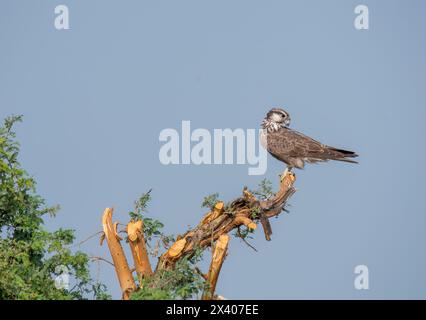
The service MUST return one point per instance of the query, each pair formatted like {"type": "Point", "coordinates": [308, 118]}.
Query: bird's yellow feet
{"type": "Point", "coordinates": [286, 171]}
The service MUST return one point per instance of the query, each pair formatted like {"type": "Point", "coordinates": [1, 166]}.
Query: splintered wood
{"type": "Point", "coordinates": [212, 231]}
{"type": "Point", "coordinates": [218, 222]}
{"type": "Point", "coordinates": [138, 248]}
{"type": "Point", "coordinates": [239, 220]}
{"type": "Point", "coordinates": [219, 254]}
{"type": "Point", "coordinates": [216, 212]}
{"type": "Point", "coordinates": [176, 249]}
{"type": "Point", "coordinates": [124, 275]}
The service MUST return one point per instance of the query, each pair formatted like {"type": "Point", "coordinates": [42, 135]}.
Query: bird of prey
{"type": "Point", "coordinates": [294, 148]}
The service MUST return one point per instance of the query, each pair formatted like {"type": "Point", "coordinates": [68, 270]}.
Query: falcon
{"type": "Point", "coordinates": [294, 148]}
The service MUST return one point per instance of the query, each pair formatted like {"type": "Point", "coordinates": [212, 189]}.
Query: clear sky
{"type": "Point", "coordinates": [96, 97]}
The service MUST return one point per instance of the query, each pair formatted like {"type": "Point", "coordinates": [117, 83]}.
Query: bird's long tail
{"type": "Point", "coordinates": [343, 155]}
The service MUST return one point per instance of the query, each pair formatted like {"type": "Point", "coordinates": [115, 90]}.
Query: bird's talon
{"type": "Point", "coordinates": [285, 173]}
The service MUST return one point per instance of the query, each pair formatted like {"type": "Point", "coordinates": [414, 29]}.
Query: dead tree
{"type": "Point", "coordinates": [212, 231]}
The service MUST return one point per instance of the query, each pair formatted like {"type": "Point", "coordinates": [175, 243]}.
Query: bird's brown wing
{"type": "Point", "coordinates": [286, 144]}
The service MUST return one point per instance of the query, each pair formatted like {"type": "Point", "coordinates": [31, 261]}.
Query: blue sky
{"type": "Point", "coordinates": [96, 97]}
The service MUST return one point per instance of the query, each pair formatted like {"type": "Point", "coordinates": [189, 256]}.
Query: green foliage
{"type": "Point", "coordinates": [254, 213]}
{"type": "Point", "coordinates": [210, 201]}
{"type": "Point", "coordinates": [30, 256]}
{"type": "Point", "coordinates": [264, 190]}
{"type": "Point", "coordinates": [182, 282]}
{"type": "Point", "coordinates": [151, 227]}
{"type": "Point", "coordinates": [244, 233]}
{"type": "Point", "coordinates": [141, 206]}
{"type": "Point", "coordinates": [100, 291]}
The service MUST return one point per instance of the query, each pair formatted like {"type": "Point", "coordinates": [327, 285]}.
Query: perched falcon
{"type": "Point", "coordinates": [294, 148]}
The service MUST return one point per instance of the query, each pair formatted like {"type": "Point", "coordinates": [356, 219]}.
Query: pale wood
{"type": "Point", "coordinates": [219, 254]}
{"type": "Point", "coordinates": [209, 230]}
{"type": "Point", "coordinates": [138, 248]}
{"type": "Point", "coordinates": [239, 220]}
{"type": "Point", "coordinates": [121, 266]}
{"type": "Point", "coordinates": [213, 228]}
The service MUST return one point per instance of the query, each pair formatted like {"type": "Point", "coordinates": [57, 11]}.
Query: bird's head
{"type": "Point", "coordinates": [278, 116]}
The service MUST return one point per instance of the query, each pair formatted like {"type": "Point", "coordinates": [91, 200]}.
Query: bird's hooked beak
{"type": "Point", "coordinates": [286, 122]}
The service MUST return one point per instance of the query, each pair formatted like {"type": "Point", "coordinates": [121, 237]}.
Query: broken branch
{"type": "Point", "coordinates": [124, 275]}
{"type": "Point", "coordinates": [219, 254]}
{"type": "Point", "coordinates": [245, 210]}
{"type": "Point", "coordinates": [138, 248]}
